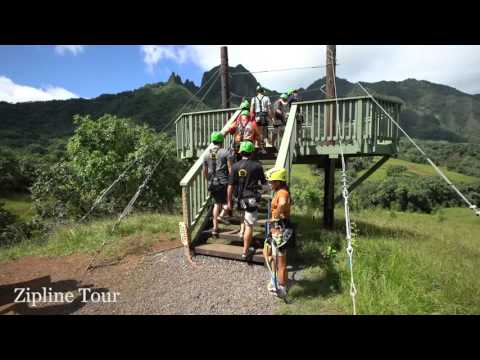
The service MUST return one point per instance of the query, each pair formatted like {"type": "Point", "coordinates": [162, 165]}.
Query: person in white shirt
{"type": "Point", "coordinates": [262, 107]}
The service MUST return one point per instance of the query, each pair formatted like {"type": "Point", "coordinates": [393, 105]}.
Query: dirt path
{"type": "Point", "coordinates": [157, 283]}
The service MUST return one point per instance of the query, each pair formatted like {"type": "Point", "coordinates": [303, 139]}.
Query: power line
{"type": "Point", "coordinates": [275, 70]}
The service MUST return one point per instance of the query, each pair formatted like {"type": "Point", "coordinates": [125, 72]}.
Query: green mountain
{"type": "Point", "coordinates": [242, 84]}
{"type": "Point", "coordinates": [26, 124]}
{"type": "Point", "coordinates": [432, 111]}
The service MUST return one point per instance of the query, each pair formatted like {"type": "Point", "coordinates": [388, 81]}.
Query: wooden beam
{"type": "Point", "coordinates": [364, 177]}
{"type": "Point", "coordinates": [329, 186]}
{"type": "Point", "coordinates": [328, 194]}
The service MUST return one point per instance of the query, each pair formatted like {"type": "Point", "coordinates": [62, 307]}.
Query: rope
{"type": "Point", "coordinates": [107, 190]}
{"type": "Point", "coordinates": [439, 172]}
{"type": "Point", "coordinates": [122, 175]}
{"type": "Point", "coordinates": [128, 208]}
{"type": "Point", "coordinates": [134, 198]}
{"type": "Point", "coordinates": [348, 228]}
{"type": "Point", "coordinates": [132, 201]}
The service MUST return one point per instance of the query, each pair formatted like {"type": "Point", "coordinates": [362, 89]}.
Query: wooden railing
{"type": "Point", "coordinates": [193, 130]}
{"type": "Point", "coordinates": [195, 195]}
{"type": "Point", "coordinates": [362, 124]}
{"type": "Point", "coordinates": [363, 128]}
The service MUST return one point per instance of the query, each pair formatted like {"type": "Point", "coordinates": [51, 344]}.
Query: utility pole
{"type": "Point", "coordinates": [329, 188]}
{"type": "Point", "coordinates": [224, 77]}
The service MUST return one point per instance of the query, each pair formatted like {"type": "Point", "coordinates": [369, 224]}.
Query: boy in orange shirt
{"type": "Point", "coordinates": [281, 230]}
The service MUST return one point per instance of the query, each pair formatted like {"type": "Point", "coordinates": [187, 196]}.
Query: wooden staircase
{"type": "Point", "coordinates": [228, 244]}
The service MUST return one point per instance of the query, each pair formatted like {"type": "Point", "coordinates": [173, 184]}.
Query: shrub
{"type": "Point", "coordinates": [7, 230]}
{"type": "Point", "coordinates": [98, 152]}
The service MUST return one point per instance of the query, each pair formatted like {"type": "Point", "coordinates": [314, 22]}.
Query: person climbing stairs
{"type": "Point", "coordinates": [228, 243]}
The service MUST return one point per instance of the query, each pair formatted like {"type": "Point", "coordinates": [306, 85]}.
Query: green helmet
{"type": "Point", "coordinates": [284, 96]}
{"type": "Point", "coordinates": [216, 137]}
{"type": "Point", "coordinates": [245, 112]}
{"type": "Point", "coordinates": [245, 105]}
{"type": "Point", "coordinates": [290, 91]}
{"type": "Point", "coordinates": [246, 147]}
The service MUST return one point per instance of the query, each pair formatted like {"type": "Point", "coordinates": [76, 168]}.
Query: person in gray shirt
{"type": "Point", "coordinates": [217, 164]}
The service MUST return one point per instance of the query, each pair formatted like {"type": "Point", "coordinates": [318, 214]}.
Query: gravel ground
{"type": "Point", "coordinates": [166, 284]}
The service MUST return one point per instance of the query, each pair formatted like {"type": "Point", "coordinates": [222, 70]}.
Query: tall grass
{"type": "Point", "coordinates": [404, 263]}
{"type": "Point", "coordinates": [135, 234]}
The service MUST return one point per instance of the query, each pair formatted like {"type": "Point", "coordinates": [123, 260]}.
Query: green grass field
{"type": "Point", "coordinates": [404, 263]}
{"type": "Point", "coordinates": [135, 234]}
{"type": "Point", "coordinates": [414, 169]}
{"type": "Point", "coordinates": [303, 172]}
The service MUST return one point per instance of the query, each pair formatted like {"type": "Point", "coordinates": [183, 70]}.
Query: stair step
{"type": "Point", "coordinates": [237, 220]}
{"type": "Point", "coordinates": [257, 241]}
{"type": "Point", "coordinates": [268, 161]}
{"type": "Point", "coordinates": [227, 251]}
{"type": "Point", "coordinates": [233, 237]}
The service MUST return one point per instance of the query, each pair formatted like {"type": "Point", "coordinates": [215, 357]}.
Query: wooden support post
{"type": "Point", "coordinates": [224, 77]}
{"type": "Point", "coordinates": [187, 219]}
{"type": "Point", "coordinates": [329, 189]}
{"type": "Point", "coordinates": [330, 94]}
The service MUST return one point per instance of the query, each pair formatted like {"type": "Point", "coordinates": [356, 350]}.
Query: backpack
{"type": "Point", "coordinates": [248, 199]}
{"type": "Point", "coordinates": [214, 182]}
{"type": "Point", "coordinates": [262, 115]}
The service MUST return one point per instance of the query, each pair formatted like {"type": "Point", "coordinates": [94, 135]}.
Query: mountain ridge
{"type": "Point", "coordinates": [432, 111]}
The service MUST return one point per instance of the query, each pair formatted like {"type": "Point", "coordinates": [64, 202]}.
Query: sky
{"type": "Point", "coordinates": [47, 72]}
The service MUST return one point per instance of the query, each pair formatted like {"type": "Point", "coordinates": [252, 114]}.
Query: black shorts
{"type": "Point", "coordinates": [261, 120]}
{"type": "Point", "coordinates": [220, 196]}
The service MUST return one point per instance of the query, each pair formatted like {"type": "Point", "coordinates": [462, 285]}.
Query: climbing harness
{"type": "Point", "coordinates": [439, 172]}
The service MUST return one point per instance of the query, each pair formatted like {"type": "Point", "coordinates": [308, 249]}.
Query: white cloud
{"type": "Point", "coordinates": [13, 93]}
{"type": "Point", "coordinates": [74, 49]}
{"type": "Point", "coordinates": [153, 54]}
{"type": "Point", "coordinates": [452, 65]}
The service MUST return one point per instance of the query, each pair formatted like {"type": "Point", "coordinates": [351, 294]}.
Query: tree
{"type": "Point", "coordinates": [98, 152]}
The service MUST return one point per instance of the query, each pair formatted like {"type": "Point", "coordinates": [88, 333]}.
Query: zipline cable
{"type": "Point", "coordinates": [348, 228]}
{"type": "Point", "coordinates": [275, 70]}
{"type": "Point", "coordinates": [134, 198]}
{"type": "Point", "coordinates": [122, 175]}
{"type": "Point", "coordinates": [439, 172]}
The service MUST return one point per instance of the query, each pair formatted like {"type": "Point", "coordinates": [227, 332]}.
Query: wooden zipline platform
{"type": "Point", "coordinates": [310, 137]}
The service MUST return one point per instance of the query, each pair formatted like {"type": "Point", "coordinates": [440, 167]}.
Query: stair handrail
{"type": "Point", "coordinates": [287, 151]}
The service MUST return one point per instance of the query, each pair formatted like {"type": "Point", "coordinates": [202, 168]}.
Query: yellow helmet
{"type": "Point", "coordinates": [279, 174]}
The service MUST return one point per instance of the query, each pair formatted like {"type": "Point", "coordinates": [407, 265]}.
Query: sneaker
{"type": "Point", "coordinates": [271, 286]}
{"type": "Point", "coordinates": [282, 291]}
{"type": "Point", "coordinates": [244, 257]}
